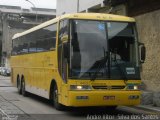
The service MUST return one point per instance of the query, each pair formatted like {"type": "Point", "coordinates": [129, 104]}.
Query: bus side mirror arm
{"type": "Point", "coordinates": [142, 52]}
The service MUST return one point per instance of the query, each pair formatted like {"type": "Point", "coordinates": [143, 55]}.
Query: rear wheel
{"type": "Point", "coordinates": [57, 105]}
{"type": "Point", "coordinates": [19, 86]}
{"type": "Point", "coordinates": [24, 92]}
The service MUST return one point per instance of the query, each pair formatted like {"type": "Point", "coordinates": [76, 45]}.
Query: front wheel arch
{"type": "Point", "coordinates": [54, 100]}
{"type": "Point", "coordinates": [53, 83]}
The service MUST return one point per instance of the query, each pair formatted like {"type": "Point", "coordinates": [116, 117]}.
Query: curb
{"type": "Point", "coordinates": [157, 109]}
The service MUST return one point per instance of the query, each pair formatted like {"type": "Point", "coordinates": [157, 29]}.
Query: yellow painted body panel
{"type": "Point", "coordinates": [98, 16]}
{"type": "Point", "coordinates": [95, 98]}
{"type": "Point", "coordinates": [39, 72]}
{"type": "Point", "coordinates": [39, 69]}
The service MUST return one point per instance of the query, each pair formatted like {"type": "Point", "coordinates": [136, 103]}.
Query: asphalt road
{"type": "Point", "coordinates": [16, 107]}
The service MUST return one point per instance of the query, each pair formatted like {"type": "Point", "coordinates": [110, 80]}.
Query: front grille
{"type": "Point", "coordinates": [109, 87]}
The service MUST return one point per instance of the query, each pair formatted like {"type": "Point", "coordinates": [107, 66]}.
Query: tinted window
{"type": "Point", "coordinates": [25, 45]}
{"type": "Point", "coordinates": [20, 45]}
{"type": "Point", "coordinates": [47, 39]}
{"type": "Point", "coordinates": [63, 29]}
{"type": "Point", "coordinates": [38, 41]}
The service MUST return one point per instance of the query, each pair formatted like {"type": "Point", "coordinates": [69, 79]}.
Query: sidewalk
{"type": "Point", "coordinates": [150, 101]}
{"type": "Point", "coordinates": [149, 107]}
{"type": "Point", "coordinates": [9, 111]}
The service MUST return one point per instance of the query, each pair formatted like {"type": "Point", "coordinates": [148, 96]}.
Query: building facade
{"type": "Point", "coordinates": [73, 6]}
{"type": "Point", "coordinates": [14, 19]}
{"type": "Point", "coordinates": [147, 15]}
{"type": "Point", "coordinates": [99, 6]}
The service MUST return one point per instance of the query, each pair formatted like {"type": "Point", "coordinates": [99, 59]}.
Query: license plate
{"type": "Point", "coordinates": [109, 98]}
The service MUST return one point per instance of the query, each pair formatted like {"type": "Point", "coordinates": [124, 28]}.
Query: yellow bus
{"type": "Point", "coordinates": [81, 59]}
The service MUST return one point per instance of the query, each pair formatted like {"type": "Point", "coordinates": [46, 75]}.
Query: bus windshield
{"type": "Point", "coordinates": [104, 50]}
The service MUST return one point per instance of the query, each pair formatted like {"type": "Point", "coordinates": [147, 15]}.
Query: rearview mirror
{"type": "Point", "coordinates": [64, 38]}
{"type": "Point", "coordinates": [142, 52]}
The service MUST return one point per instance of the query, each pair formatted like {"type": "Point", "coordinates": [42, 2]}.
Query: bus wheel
{"type": "Point", "coordinates": [24, 92]}
{"type": "Point", "coordinates": [57, 105]}
{"type": "Point", "coordinates": [19, 87]}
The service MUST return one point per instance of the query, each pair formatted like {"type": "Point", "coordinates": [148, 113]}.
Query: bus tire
{"type": "Point", "coordinates": [19, 86]}
{"type": "Point", "coordinates": [56, 104]}
{"type": "Point", "coordinates": [24, 92]}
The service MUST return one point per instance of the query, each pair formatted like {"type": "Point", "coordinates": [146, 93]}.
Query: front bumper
{"type": "Point", "coordinates": [98, 98]}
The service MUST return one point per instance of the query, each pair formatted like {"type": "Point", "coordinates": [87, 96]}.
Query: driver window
{"type": "Point", "coordinates": [63, 29]}
{"type": "Point", "coordinates": [62, 64]}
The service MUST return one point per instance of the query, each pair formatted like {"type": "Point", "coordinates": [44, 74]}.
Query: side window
{"type": "Point", "coordinates": [24, 45]}
{"type": "Point", "coordinates": [47, 40]}
{"type": "Point", "coordinates": [50, 37]}
{"type": "Point", "coordinates": [32, 38]}
{"type": "Point", "coordinates": [19, 49]}
{"type": "Point", "coordinates": [20, 46]}
{"type": "Point", "coordinates": [37, 41]}
{"type": "Point", "coordinates": [40, 41]}
{"type": "Point", "coordinates": [63, 29]}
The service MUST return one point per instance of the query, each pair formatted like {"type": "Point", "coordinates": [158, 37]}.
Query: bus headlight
{"type": "Point", "coordinates": [133, 87]}
{"type": "Point", "coordinates": [80, 87]}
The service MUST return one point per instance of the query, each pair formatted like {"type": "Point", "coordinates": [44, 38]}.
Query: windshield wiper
{"type": "Point", "coordinates": [121, 71]}
{"type": "Point", "coordinates": [100, 64]}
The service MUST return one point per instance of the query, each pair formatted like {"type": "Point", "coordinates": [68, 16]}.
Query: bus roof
{"type": "Point", "coordinates": [98, 16]}
{"type": "Point", "coordinates": [89, 16]}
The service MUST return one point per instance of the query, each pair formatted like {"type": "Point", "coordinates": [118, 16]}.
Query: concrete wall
{"type": "Point", "coordinates": [148, 28]}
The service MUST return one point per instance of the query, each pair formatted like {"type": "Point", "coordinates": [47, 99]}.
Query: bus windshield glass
{"type": "Point", "coordinates": [103, 50]}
